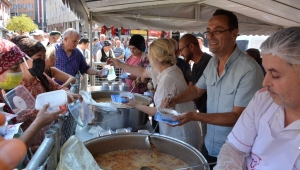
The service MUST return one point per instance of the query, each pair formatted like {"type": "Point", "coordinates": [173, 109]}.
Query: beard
{"type": "Point", "coordinates": [189, 57]}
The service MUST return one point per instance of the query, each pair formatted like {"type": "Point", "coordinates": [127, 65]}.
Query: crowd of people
{"type": "Point", "coordinates": [240, 110]}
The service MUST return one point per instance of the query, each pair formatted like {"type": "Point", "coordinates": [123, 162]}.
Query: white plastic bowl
{"type": "Point", "coordinates": [167, 114]}
{"type": "Point", "coordinates": [57, 100]}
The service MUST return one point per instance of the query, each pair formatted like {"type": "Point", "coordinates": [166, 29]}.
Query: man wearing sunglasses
{"type": "Point", "coordinates": [230, 80]}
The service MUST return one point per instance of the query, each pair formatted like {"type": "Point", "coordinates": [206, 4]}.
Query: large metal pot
{"type": "Point", "coordinates": [123, 118]}
{"type": "Point", "coordinates": [164, 144]}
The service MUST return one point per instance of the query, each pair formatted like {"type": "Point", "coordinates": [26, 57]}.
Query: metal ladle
{"type": "Point", "coordinates": [206, 164]}
{"type": "Point", "coordinates": [148, 140]}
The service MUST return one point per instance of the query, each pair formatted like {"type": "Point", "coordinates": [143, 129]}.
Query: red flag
{"type": "Point", "coordinates": [103, 29]}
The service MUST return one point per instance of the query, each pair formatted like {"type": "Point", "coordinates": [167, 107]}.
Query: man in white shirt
{"type": "Point", "coordinates": [267, 134]}
{"type": "Point", "coordinates": [83, 46]}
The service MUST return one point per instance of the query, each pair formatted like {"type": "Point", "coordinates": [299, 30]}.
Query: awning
{"type": "Point", "coordinates": [255, 17]}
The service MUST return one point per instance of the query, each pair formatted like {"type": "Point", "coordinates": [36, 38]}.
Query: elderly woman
{"type": "Point", "coordinates": [10, 77]}
{"type": "Point", "coordinates": [138, 58]}
{"type": "Point", "coordinates": [55, 73]}
{"type": "Point", "coordinates": [35, 80]}
{"type": "Point", "coordinates": [105, 53]}
{"type": "Point", "coordinates": [170, 83]}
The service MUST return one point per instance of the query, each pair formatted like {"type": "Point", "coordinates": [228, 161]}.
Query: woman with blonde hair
{"type": "Point", "coordinates": [55, 73]}
{"type": "Point", "coordinates": [170, 83]}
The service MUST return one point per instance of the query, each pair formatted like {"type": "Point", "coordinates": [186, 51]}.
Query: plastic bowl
{"type": "Point", "coordinates": [57, 100]}
{"type": "Point", "coordinates": [167, 114]}
{"type": "Point", "coordinates": [105, 85]}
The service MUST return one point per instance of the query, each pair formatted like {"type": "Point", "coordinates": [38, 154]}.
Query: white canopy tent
{"type": "Point", "coordinates": [256, 17]}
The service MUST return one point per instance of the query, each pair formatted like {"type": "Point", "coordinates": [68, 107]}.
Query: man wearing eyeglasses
{"type": "Point", "coordinates": [230, 80]}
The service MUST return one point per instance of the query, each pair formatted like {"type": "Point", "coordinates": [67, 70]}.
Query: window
{"type": "Point", "coordinates": [30, 13]}
{"type": "Point", "coordinates": [20, 6]}
{"type": "Point", "coordinates": [15, 6]}
{"type": "Point", "coordinates": [30, 6]}
{"type": "Point", "coordinates": [24, 5]}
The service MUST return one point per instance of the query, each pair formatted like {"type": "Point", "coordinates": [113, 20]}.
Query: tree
{"type": "Point", "coordinates": [21, 23]}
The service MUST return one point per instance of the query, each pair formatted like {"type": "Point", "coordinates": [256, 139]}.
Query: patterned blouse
{"type": "Point", "coordinates": [36, 88]}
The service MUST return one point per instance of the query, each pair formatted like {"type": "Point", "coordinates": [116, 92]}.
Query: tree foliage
{"type": "Point", "coordinates": [21, 23]}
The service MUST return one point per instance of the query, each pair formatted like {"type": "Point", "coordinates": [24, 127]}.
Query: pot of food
{"type": "Point", "coordinates": [124, 116]}
{"type": "Point", "coordinates": [170, 153]}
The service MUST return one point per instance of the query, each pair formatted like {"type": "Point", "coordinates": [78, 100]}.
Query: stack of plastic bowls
{"type": "Point", "coordinates": [114, 86]}
{"type": "Point", "coordinates": [104, 87]}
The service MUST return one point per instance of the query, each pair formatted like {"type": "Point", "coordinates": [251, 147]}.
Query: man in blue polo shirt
{"type": "Point", "coordinates": [230, 80]}
{"type": "Point", "coordinates": [69, 59]}
{"type": "Point", "coordinates": [119, 51]}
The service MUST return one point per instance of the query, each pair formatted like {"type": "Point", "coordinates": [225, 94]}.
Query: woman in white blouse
{"type": "Point", "coordinates": [170, 83]}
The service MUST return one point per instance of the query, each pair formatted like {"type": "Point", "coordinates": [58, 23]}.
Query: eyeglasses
{"type": "Point", "coordinates": [181, 49]}
{"type": "Point", "coordinates": [215, 33]}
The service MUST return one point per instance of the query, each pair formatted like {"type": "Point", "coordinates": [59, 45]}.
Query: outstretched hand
{"type": "Point", "coordinates": [184, 118]}
{"type": "Point", "coordinates": [114, 62]}
{"type": "Point", "coordinates": [131, 103]}
{"type": "Point", "coordinates": [45, 117]}
{"type": "Point", "coordinates": [11, 151]}
{"type": "Point", "coordinates": [72, 97]}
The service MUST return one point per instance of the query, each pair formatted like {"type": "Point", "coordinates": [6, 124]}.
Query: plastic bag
{"type": "Point", "coordinates": [125, 75]}
{"type": "Point", "coordinates": [81, 113]}
{"type": "Point", "coordinates": [118, 99]}
{"type": "Point", "coordinates": [111, 74]}
{"type": "Point", "coordinates": [105, 106]}
{"type": "Point", "coordinates": [74, 155]}
{"type": "Point", "coordinates": [104, 72]}
{"type": "Point", "coordinates": [95, 131]}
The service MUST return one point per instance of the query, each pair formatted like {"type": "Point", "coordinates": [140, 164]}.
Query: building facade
{"type": "Point", "coordinates": [60, 17]}
{"type": "Point", "coordinates": [4, 16]}
{"type": "Point", "coordinates": [35, 9]}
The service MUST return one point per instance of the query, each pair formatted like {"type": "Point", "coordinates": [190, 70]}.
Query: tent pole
{"type": "Point", "coordinates": [92, 78]}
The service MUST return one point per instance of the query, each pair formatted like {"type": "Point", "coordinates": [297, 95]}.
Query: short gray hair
{"type": "Point", "coordinates": [70, 31]}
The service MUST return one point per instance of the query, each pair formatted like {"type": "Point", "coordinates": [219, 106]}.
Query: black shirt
{"type": "Point", "coordinates": [185, 68]}
{"type": "Point", "coordinates": [104, 56]}
{"type": "Point", "coordinates": [197, 72]}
